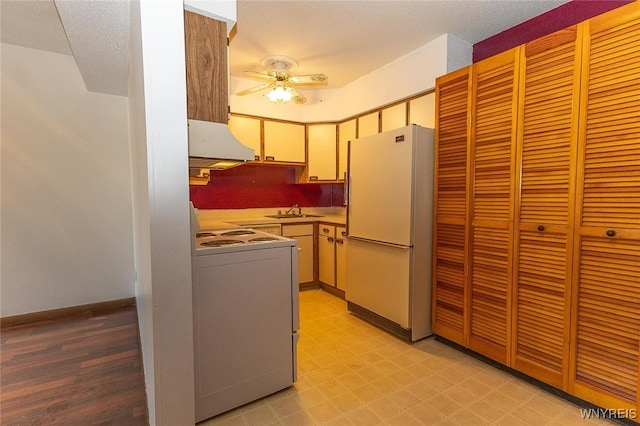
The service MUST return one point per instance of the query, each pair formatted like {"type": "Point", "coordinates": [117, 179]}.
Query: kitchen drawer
{"type": "Point", "coordinates": [295, 230]}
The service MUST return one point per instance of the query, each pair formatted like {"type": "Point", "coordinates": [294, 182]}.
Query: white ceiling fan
{"type": "Point", "coordinates": [280, 81]}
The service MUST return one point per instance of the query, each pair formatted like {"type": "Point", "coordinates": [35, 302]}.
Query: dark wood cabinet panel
{"type": "Point", "coordinates": [206, 64]}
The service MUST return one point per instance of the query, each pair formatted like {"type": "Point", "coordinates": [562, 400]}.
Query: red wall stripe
{"type": "Point", "coordinates": [556, 19]}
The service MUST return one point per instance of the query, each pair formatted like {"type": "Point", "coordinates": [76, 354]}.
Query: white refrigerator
{"type": "Point", "coordinates": [389, 193]}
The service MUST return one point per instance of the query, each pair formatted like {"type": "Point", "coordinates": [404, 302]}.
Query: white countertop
{"type": "Point", "coordinates": [232, 218]}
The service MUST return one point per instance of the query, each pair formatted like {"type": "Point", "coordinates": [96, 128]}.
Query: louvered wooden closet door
{"type": "Point", "coordinates": [547, 143]}
{"type": "Point", "coordinates": [606, 299]}
{"type": "Point", "coordinates": [493, 138]}
{"type": "Point", "coordinates": [450, 224]}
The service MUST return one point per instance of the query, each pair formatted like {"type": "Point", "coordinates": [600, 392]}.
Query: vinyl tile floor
{"type": "Point", "coordinates": [353, 373]}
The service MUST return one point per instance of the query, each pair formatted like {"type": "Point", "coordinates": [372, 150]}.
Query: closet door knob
{"type": "Point", "coordinates": [611, 233]}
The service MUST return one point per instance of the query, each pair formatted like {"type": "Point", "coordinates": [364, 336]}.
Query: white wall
{"type": "Point", "coordinates": [157, 100]}
{"type": "Point", "coordinates": [408, 75]}
{"type": "Point", "coordinates": [459, 53]}
{"type": "Point", "coordinates": [66, 187]}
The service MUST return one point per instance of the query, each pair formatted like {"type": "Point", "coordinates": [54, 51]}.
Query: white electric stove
{"type": "Point", "coordinates": [235, 240]}
{"type": "Point", "coordinates": [245, 308]}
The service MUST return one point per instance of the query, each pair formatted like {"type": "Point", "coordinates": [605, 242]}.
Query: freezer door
{"type": "Point", "coordinates": [379, 278]}
{"type": "Point", "coordinates": [381, 186]}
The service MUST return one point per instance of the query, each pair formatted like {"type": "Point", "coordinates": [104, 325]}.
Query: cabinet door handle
{"type": "Point", "coordinates": [269, 158]}
{"type": "Point", "coordinates": [325, 230]}
{"type": "Point", "coordinates": [340, 241]}
{"type": "Point", "coordinates": [540, 228]}
{"type": "Point", "coordinates": [611, 233]}
{"type": "Point", "coordinates": [330, 239]}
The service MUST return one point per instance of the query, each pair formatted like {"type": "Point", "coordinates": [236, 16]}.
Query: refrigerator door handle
{"type": "Point", "coordinates": [346, 189]}
{"type": "Point", "coordinates": [381, 243]}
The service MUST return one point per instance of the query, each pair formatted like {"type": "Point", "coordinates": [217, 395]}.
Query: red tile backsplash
{"type": "Point", "coordinates": [256, 186]}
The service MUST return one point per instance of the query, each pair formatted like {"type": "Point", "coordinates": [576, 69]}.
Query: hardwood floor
{"type": "Point", "coordinates": [85, 369]}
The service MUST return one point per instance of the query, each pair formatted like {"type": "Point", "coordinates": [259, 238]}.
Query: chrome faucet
{"type": "Point", "coordinates": [295, 206]}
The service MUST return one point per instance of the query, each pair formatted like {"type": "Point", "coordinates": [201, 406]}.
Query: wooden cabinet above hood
{"type": "Point", "coordinates": [206, 64]}
{"type": "Point", "coordinates": [211, 144]}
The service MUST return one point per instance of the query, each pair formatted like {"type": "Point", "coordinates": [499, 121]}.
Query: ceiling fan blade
{"type": "Point", "coordinates": [296, 96]}
{"type": "Point", "coordinates": [256, 89]}
{"type": "Point", "coordinates": [315, 79]}
{"type": "Point", "coordinates": [259, 76]}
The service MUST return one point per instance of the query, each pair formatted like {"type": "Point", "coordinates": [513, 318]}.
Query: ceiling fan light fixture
{"type": "Point", "coordinates": [279, 95]}
{"type": "Point", "coordinates": [280, 83]}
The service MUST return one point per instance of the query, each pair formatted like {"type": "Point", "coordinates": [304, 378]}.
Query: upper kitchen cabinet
{"type": "Point", "coordinates": [206, 67]}
{"type": "Point", "coordinates": [284, 142]}
{"type": "Point", "coordinates": [422, 110]}
{"type": "Point", "coordinates": [394, 117]}
{"type": "Point", "coordinates": [322, 161]}
{"type": "Point", "coordinates": [346, 133]}
{"type": "Point", "coordinates": [369, 124]}
{"type": "Point", "coordinates": [247, 131]}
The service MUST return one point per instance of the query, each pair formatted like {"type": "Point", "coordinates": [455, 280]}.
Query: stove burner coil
{"type": "Point", "coordinates": [220, 243]}
{"type": "Point", "coordinates": [261, 239]}
{"type": "Point", "coordinates": [205, 234]}
{"type": "Point", "coordinates": [238, 232]}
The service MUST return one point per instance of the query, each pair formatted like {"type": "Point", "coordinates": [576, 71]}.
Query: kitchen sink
{"type": "Point", "coordinates": [291, 216]}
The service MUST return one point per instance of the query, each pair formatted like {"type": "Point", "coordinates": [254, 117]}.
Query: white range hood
{"type": "Point", "coordinates": [213, 146]}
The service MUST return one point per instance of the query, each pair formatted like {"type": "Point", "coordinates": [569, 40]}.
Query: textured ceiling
{"type": "Point", "coordinates": [348, 39]}
{"type": "Point", "coordinates": [96, 33]}
{"type": "Point", "coordinates": [342, 39]}
{"type": "Point", "coordinates": [33, 24]}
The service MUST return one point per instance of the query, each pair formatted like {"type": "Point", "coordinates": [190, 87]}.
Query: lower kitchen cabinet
{"type": "Point", "coordinates": [303, 234]}
{"type": "Point", "coordinates": [327, 254]}
{"type": "Point", "coordinates": [341, 258]}
{"type": "Point", "coordinates": [332, 256]}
